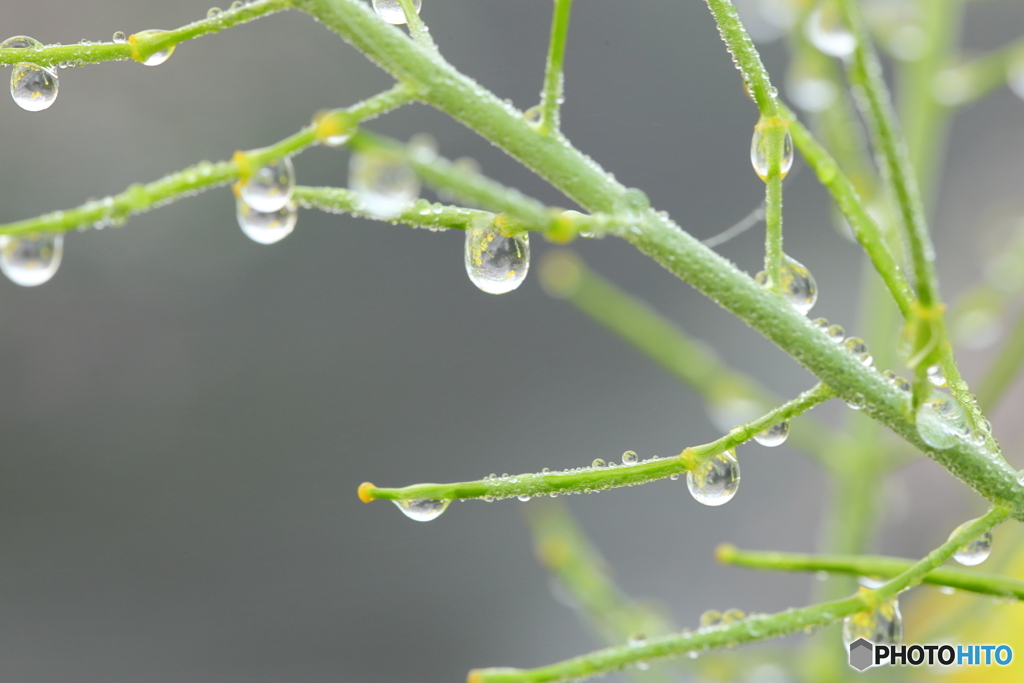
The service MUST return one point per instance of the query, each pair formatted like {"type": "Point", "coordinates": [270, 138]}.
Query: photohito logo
{"type": "Point", "coordinates": [865, 654]}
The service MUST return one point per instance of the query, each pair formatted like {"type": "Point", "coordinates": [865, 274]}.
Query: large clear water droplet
{"type": "Point", "coordinates": [630, 458]}
{"type": "Point", "coordinates": [391, 10]}
{"type": "Point", "coordinates": [270, 188]}
{"type": "Point", "coordinates": [716, 480]}
{"type": "Point", "coordinates": [884, 626]}
{"type": "Point", "coordinates": [798, 285]}
{"type": "Point", "coordinates": [120, 38]}
{"type": "Point", "coordinates": [775, 435]}
{"type": "Point", "coordinates": [266, 227]}
{"type": "Point", "coordinates": [31, 260]}
{"type": "Point", "coordinates": [826, 31]}
{"type": "Point", "coordinates": [422, 510]}
{"type": "Point", "coordinates": [16, 42]}
{"type": "Point", "coordinates": [383, 182]}
{"type": "Point", "coordinates": [941, 421]}
{"type": "Point", "coordinates": [33, 87]}
{"type": "Point", "coordinates": [975, 552]}
{"type": "Point", "coordinates": [759, 154]}
{"type": "Point", "coordinates": [495, 263]}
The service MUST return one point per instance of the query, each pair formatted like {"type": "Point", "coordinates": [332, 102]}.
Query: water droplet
{"type": "Point", "coordinates": [759, 153]}
{"type": "Point", "coordinates": [936, 377]}
{"type": "Point", "coordinates": [524, 497]}
{"type": "Point", "coordinates": [598, 462]}
{"type": "Point", "coordinates": [836, 333]}
{"type": "Point", "coordinates": [237, 4]}
{"type": "Point", "coordinates": [826, 31]}
{"type": "Point", "coordinates": [884, 626]}
{"type": "Point", "coordinates": [496, 264]}
{"type": "Point", "coordinates": [391, 10]}
{"type": "Point", "coordinates": [270, 188]}
{"type": "Point", "coordinates": [710, 618]}
{"type": "Point", "coordinates": [947, 590]}
{"type": "Point", "coordinates": [716, 480]}
{"type": "Point", "coordinates": [120, 37]}
{"type": "Point", "coordinates": [859, 349]}
{"type": "Point", "coordinates": [33, 87]}
{"type": "Point", "coordinates": [422, 510]}
{"type": "Point", "coordinates": [636, 639]}
{"type": "Point", "coordinates": [798, 285]}
{"type": "Point", "coordinates": [16, 42]}
{"type": "Point", "coordinates": [975, 552]}
{"type": "Point", "coordinates": [630, 458]}
{"type": "Point", "coordinates": [732, 615]}
{"type": "Point", "coordinates": [941, 421]}
{"type": "Point", "coordinates": [30, 260]}
{"type": "Point", "coordinates": [821, 323]}
{"type": "Point", "coordinates": [213, 13]}
{"type": "Point", "coordinates": [775, 435]}
{"type": "Point", "coordinates": [157, 58]}
{"type": "Point", "coordinates": [266, 227]}
{"type": "Point", "coordinates": [675, 477]}
{"type": "Point", "coordinates": [384, 183]}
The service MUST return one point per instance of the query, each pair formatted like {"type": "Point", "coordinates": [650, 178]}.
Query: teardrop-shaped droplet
{"type": "Point", "coordinates": [391, 10]}
{"type": "Point", "coordinates": [759, 153]}
{"type": "Point", "coordinates": [775, 435]}
{"type": "Point", "coordinates": [716, 480]}
{"type": "Point", "coordinates": [884, 626]}
{"type": "Point", "coordinates": [385, 185]}
{"type": "Point", "coordinates": [266, 227]}
{"type": "Point", "coordinates": [826, 31]}
{"type": "Point", "coordinates": [33, 87]}
{"type": "Point", "coordinates": [422, 510]}
{"type": "Point", "coordinates": [975, 552]}
{"type": "Point", "coordinates": [157, 58]}
{"type": "Point", "coordinates": [798, 285]}
{"type": "Point", "coordinates": [16, 42]}
{"type": "Point", "coordinates": [630, 458]}
{"type": "Point", "coordinates": [941, 421]}
{"type": "Point", "coordinates": [30, 260]}
{"type": "Point", "coordinates": [495, 263]}
{"type": "Point", "coordinates": [859, 348]}
{"type": "Point", "coordinates": [936, 377]}
{"type": "Point", "coordinates": [270, 188]}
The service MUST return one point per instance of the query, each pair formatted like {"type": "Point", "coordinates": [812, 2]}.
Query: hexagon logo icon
{"type": "Point", "coordinates": [861, 654]}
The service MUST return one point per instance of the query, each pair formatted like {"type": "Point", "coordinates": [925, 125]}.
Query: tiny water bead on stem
{"type": "Point", "coordinates": [775, 435]}
{"type": "Point", "coordinates": [496, 263]}
{"type": "Point", "coordinates": [32, 259]}
{"type": "Point", "coordinates": [392, 12]}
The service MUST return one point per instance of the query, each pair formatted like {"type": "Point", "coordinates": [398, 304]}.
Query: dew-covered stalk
{"type": "Point", "coordinates": [417, 28]}
{"type": "Point", "coordinates": [871, 565]}
{"type": "Point", "coordinates": [554, 74]}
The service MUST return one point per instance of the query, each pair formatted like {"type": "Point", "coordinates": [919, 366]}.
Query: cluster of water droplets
{"type": "Point", "coordinates": [716, 480]}
{"type": "Point", "coordinates": [265, 210]}
{"type": "Point", "coordinates": [883, 626]}
{"type": "Point", "coordinates": [391, 10]}
{"type": "Point", "coordinates": [975, 552]}
{"type": "Point", "coordinates": [797, 284]}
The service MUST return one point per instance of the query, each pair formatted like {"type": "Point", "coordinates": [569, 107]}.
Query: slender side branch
{"type": "Point", "coordinates": [141, 46]}
{"type": "Point", "coordinates": [745, 56]}
{"type": "Point", "coordinates": [116, 209]}
{"type": "Point", "coordinates": [422, 214]}
{"type": "Point", "coordinates": [871, 565]}
{"type": "Point", "coordinates": [554, 75]}
{"type": "Point", "coordinates": [599, 478]}
{"type": "Point", "coordinates": [972, 80]}
{"type": "Point", "coordinates": [417, 29]}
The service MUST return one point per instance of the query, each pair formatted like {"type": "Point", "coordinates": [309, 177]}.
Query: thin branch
{"type": "Point", "coordinates": [417, 28]}
{"type": "Point", "coordinates": [554, 74]}
{"type": "Point", "coordinates": [871, 565]}
{"type": "Point", "coordinates": [141, 46]}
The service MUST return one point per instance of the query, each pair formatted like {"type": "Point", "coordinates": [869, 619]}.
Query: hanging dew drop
{"type": "Point", "coordinates": [385, 185]}
{"type": "Point", "coordinates": [716, 480]}
{"type": "Point", "coordinates": [266, 227]}
{"type": "Point", "coordinates": [975, 552]}
{"type": "Point", "coordinates": [31, 260]}
{"type": "Point", "coordinates": [33, 87]}
{"type": "Point", "coordinates": [496, 264]}
{"type": "Point", "coordinates": [391, 10]}
{"type": "Point", "coordinates": [270, 188]}
{"type": "Point", "coordinates": [941, 421]}
{"type": "Point", "coordinates": [157, 58]}
{"type": "Point", "coordinates": [775, 435]}
{"type": "Point", "coordinates": [630, 458]}
{"type": "Point", "coordinates": [884, 626]}
{"type": "Point", "coordinates": [797, 286]}
{"type": "Point", "coordinates": [422, 510]}
{"type": "Point", "coordinates": [825, 31]}
{"type": "Point", "coordinates": [759, 153]}
{"type": "Point", "coordinates": [859, 348]}
{"type": "Point", "coordinates": [936, 377]}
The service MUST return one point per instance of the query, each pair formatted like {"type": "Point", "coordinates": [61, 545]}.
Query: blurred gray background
{"type": "Point", "coordinates": [186, 415]}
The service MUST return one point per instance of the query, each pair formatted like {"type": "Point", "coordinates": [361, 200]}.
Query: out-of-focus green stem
{"type": "Point", "coordinates": [554, 74]}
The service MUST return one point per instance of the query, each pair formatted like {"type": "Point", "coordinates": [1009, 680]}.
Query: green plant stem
{"type": "Point", "coordinates": [565, 275]}
{"type": "Point", "coordinates": [1004, 369]}
{"type": "Point", "coordinates": [974, 79]}
{"type": "Point", "coordinates": [142, 45]}
{"type": "Point", "coordinates": [116, 209]}
{"type": "Point", "coordinates": [871, 565]}
{"type": "Point", "coordinates": [593, 479]}
{"type": "Point", "coordinates": [576, 175]}
{"type": "Point", "coordinates": [773, 253]}
{"type": "Point", "coordinates": [422, 214]}
{"type": "Point", "coordinates": [554, 74]}
{"type": "Point", "coordinates": [417, 28]}
{"type": "Point", "coordinates": [750, 629]}
{"type": "Point", "coordinates": [745, 56]}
